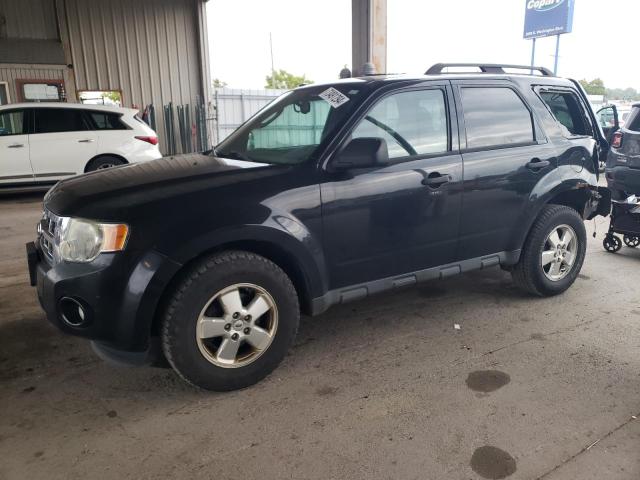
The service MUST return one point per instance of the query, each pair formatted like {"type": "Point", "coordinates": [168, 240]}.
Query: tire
{"type": "Point", "coordinates": [631, 241]}
{"type": "Point", "coordinates": [208, 292]}
{"type": "Point", "coordinates": [104, 162]}
{"type": "Point", "coordinates": [611, 243]}
{"type": "Point", "coordinates": [530, 274]}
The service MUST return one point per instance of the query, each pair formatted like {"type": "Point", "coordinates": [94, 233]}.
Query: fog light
{"type": "Point", "coordinates": [73, 313]}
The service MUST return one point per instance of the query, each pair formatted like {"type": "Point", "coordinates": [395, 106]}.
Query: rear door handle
{"type": "Point", "coordinates": [436, 180]}
{"type": "Point", "coordinates": [16, 145]}
{"type": "Point", "coordinates": [537, 164]}
{"type": "Point", "coordinates": [86, 140]}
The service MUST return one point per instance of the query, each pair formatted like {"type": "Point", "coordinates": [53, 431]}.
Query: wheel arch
{"type": "Point", "coordinates": [575, 198]}
{"type": "Point", "coordinates": [304, 277]}
{"type": "Point", "coordinates": [100, 155]}
{"type": "Point", "coordinates": [575, 194]}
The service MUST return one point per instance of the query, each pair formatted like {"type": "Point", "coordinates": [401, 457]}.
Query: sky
{"type": "Point", "coordinates": [313, 37]}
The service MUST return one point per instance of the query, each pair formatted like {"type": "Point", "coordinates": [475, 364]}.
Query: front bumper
{"type": "Point", "coordinates": [118, 297]}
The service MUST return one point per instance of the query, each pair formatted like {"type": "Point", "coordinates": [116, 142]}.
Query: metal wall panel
{"type": "Point", "coordinates": [149, 50]}
{"type": "Point", "coordinates": [46, 52]}
{"type": "Point", "coordinates": [10, 73]}
{"type": "Point", "coordinates": [28, 19]}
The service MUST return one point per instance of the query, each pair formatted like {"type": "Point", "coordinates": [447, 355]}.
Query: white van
{"type": "Point", "coordinates": [41, 143]}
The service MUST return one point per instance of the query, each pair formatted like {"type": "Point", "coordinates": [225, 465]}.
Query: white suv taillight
{"type": "Point", "coordinates": [150, 139]}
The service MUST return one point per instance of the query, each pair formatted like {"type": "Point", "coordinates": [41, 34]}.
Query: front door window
{"type": "Point", "coordinates": [413, 123]}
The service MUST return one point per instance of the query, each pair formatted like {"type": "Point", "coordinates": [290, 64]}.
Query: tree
{"type": "Point", "coordinates": [112, 96]}
{"type": "Point", "coordinates": [628, 94]}
{"type": "Point", "coordinates": [593, 87]}
{"type": "Point", "coordinates": [283, 79]}
{"type": "Point", "coordinates": [217, 83]}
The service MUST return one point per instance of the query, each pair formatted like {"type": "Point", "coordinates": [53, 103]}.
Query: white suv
{"type": "Point", "coordinates": [41, 143]}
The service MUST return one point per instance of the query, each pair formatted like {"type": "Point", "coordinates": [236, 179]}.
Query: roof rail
{"type": "Point", "coordinates": [487, 68]}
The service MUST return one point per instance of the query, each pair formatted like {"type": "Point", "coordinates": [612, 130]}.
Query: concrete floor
{"type": "Point", "coordinates": [384, 388]}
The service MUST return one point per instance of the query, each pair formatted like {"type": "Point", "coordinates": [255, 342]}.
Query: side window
{"type": "Point", "coordinates": [296, 125]}
{"type": "Point", "coordinates": [57, 120]}
{"type": "Point", "coordinates": [412, 123]}
{"type": "Point", "coordinates": [13, 122]}
{"type": "Point", "coordinates": [567, 110]}
{"type": "Point", "coordinates": [632, 122]}
{"type": "Point", "coordinates": [106, 121]}
{"type": "Point", "coordinates": [495, 116]}
{"type": "Point", "coordinates": [4, 93]}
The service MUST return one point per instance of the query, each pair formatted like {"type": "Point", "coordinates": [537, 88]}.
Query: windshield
{"type": "Point", "coordinates": [291, 129]}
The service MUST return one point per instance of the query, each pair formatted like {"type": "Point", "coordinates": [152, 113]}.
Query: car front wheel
{"type": "Point", "coordinates": [230, 321]}
{"type": "Point", "coordinates": [553, 252]}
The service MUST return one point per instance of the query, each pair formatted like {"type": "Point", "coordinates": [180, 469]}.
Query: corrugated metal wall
{"type": "Point", "coordinates": [29, 32]}
{"type": "Point", "coordinates": [149, 50]}
{"type": "Point", "coordinates": [28, 19]}
{"type": "Point", "coordinates": [11, 73]}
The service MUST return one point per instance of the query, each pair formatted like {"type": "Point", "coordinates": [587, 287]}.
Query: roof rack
{"type": "Point", "coordinates": [487, 68]}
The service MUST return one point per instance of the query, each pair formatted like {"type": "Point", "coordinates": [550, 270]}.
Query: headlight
{"type": "Point", "coordinates": [82, 241]}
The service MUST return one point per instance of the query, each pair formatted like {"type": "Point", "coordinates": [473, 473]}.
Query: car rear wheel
{"type": "Point", "coordinates": [230, 321]}
{"type": "Point", "coordinates": [553, 252]}
{"type": "Point", "coordinates": [104, 162]}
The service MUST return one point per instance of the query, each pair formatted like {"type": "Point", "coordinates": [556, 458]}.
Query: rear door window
{"type": "Point", "coordinates": [106, 121]}
{"type": "Point", "coordinates": [412, 123]}
{"type": "Point", "coordinates": [568, 111]}
{"type": "Point", "coordinates": [58, 120]}
{"type": "Point", "coordinates": [13, 122]}
{"type": "Point", "coordinates": [633, 121]}
{"type": "Point", "coordinates": [496, 117]}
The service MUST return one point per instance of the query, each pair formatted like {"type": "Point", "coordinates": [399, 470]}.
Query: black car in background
{"type": "Point", "coordinates": [329, 194]}
{"type": "Point", "coordinates": [623, 161]}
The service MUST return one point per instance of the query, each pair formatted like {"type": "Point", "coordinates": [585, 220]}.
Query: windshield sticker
{"type": "Point", "coordinates": [334, 97]}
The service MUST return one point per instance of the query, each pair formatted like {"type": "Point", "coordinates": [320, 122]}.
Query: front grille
{"type": "Point", "coordinates": [47, 229]}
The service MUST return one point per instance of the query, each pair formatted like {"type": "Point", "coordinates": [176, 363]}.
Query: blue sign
{"type": "Point", "coordinates": [544, 18]}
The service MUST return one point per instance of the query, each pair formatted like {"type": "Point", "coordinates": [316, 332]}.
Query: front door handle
{"type": "Point", "coordinates": [86, 140]}
{"type": "Point", "coordinates": [16, 145]}
{"type": "Point", "coordinates": [435, 180]}
{"type": "Point", "coordinates": [537, 164]}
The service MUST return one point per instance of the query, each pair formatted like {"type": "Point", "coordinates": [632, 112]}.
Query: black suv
{"type": "Point", "coordinates": [329, 194]}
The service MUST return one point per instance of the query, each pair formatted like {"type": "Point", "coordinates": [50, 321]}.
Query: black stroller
{"type": "Point", "coordinates": [625, 220]}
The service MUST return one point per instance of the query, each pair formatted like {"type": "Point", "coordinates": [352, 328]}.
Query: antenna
{"type": "Point", "coordinates": [273, 71]}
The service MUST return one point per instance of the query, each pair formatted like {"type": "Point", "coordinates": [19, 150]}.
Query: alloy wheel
{"type": "Point", "coordinates": [237, 325]}
{"type": "Point", "coordinates": [559, 252]}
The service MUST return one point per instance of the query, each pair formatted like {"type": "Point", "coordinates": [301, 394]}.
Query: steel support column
{"type": "Point", "coordinates": [369, 35]}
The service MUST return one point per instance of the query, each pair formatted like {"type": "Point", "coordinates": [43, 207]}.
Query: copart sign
{"type": "Point", "coordinates": [547, 17]}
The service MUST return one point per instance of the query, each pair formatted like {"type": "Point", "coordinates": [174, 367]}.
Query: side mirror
{"type": "Point", "coordinates": [362, 152]}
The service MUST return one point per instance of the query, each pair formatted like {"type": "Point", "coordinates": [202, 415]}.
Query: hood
{"type": "Point", "coordinates": [112, 193]}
